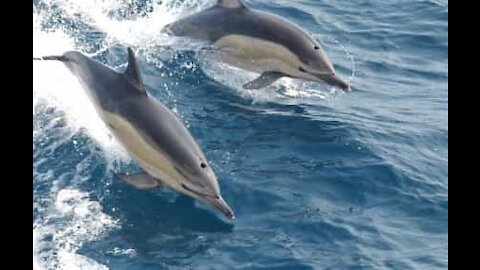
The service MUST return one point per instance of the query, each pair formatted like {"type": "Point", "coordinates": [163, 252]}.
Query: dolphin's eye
{"type": "Point", "coordinates": [316, 47]}
{"type": "Point", "coordinates": [203, 165]}
{"type": "Point", "coordinates": [301, 69]}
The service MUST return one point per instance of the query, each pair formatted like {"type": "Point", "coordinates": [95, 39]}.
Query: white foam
{"type": "Point", "coordinates": [138, 30]}
{"type": "Point", "coordinates": [74, 220]}
{"type": "Point", "coordinates": [55, 86]}
{"type": "Point", "coordinates": [76, 261]}
{"type": "Point", "coordinates": [78, 219]}
{"type": "Point", "coordinates": [36, 263]}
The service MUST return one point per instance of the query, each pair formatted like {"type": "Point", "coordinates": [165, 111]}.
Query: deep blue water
{"type": "Point", "coordinates": [318, 179]}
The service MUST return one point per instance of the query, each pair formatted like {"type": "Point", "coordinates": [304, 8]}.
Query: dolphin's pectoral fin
{"type": "Point", "coordinates": [264, 80]}
{"type": "Point", "coordinates": [140, 180]}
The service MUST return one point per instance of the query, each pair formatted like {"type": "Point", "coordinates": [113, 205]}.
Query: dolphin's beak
{"type": "Point", "coordinates": [334, 80]}
{"type": "Point", "coordinates": [215, 200]}
{"type": "Point", "coordinates": [221, 205]}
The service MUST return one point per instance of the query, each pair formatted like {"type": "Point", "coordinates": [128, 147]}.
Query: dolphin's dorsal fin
{"type": "Point", "coordinates": [132, 73]}
{"type": "Point", "coordinates": [231, 3]}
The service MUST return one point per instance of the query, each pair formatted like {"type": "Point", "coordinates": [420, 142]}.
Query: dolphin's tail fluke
{"type": "Point", "coordinates": [50, 57]}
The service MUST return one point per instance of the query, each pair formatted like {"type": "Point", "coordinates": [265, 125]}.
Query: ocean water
{"type": "Point", "coordinates": [318, 179]}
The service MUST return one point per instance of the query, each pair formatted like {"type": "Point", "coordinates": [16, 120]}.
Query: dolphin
{"type": "Point", "coordinates": [259, 42]}
{"type": "Point", "coordinates": [149, 131]}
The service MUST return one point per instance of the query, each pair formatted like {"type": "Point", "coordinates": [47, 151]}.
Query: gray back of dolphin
{"type": "Point", "coordinates": [124, 94]}
{"type": "Point", "coordinates": [107, 88]}
{"type": "Point", "coordinates": [219, 21]}
{"type": "Point", "coordinates": [232, 17]}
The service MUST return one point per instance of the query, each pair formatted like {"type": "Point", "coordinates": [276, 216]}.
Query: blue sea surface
{"type": "Point", "coordinates": [318, 179]}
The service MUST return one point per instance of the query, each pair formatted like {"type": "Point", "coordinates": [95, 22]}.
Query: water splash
{"type": "Point", "coordinates": [74, 219]}
{"type": "Point", "coordinates": [54, 86]}
{"type": "Point", "coordinates": [128, 22]}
